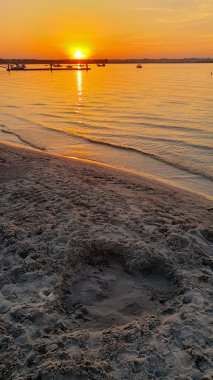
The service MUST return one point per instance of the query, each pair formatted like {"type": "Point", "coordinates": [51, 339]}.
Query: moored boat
{"type": "Point", "coordinates": [16, 66]}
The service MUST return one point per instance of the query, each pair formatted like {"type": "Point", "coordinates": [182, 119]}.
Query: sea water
{"type": "Point", "coordinates": [156, 121]}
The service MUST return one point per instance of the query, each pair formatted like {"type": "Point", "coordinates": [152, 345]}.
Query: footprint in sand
{"type": "Point", "coordinates": [101, 296]}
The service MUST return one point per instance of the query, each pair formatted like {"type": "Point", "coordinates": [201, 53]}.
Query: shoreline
{"type": "Point", "coordinates": [170, 142]}
{"type": "Point", "coordinates": [178, 185]}
{"type": "Point", "coordinates": [103, 274]}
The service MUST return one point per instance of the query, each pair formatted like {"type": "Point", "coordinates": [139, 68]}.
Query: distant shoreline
{"type": "Point", "coordinates": [106, 61]}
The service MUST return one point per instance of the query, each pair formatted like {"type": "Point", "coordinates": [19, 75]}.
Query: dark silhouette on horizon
{"type": "Point", "coordinates": [105, 61]}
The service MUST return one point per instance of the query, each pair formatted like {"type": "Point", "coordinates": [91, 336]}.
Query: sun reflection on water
{"type": "Point", "coordinates": [79, 84]}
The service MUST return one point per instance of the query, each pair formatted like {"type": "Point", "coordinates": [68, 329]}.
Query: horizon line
{"type": "Point", "coordinates": [105, 59]}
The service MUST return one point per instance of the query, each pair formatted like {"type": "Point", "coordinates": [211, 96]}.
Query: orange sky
{"type": "Point", "coordinates": [111, 29]}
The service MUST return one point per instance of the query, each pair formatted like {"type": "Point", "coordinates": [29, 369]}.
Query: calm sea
{"type": "Point", "coordinates": [155, 121]}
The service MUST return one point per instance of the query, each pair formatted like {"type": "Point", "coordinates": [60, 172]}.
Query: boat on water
{"type": "Point", "coordinates": [57, 65]}
{"type": "Point", "coordinates": [16, 67]}
{"type": "Point", "coordinates": [101, 65]}
{"type": "Point", "coordinates": [21, 67]}
{"type": "Point", "coordinates": [78, 66]}
{"type": "Point", "coordinates": [139, 66]}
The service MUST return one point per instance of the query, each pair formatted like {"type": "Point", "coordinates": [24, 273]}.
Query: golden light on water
{"type": "Point", "coordinates": [79, 83]}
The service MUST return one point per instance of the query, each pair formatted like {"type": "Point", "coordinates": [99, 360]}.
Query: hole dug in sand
{"type": "Point", "coordinates": [98, 297]}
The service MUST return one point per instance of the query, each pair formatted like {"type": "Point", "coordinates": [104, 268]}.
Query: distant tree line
{"type": "Point", "coordinates": [97, 61]}
{"type": "Point", "coordinates": [50, 61]}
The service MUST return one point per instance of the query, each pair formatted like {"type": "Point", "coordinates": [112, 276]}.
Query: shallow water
{"type": "Point", "coordinates": [155, 121]}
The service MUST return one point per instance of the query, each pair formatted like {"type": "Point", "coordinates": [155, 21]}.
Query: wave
{"type": "Point", "coordinates": [34, 146]}
{"type": "Point", "coordinates": [86, 125]}
{"type": "Point", "coordinates": [24, 119]}
{"type": "Point", "coordinates": [145, 138]}
{"type": "Point", "coordinates": [138, 151]}
{"type": "Point", "coordinates": [51, 115]}
{"type": "Point", "coordinates": [9, 106]}
{"type": "Point", "coordinates": [169, 127]}
{"type": "Point", "coordinates": [38, 104]}
{"type": "Point", "coordinates": [154, 156]}
{"type": "Point", "coordinates": [180, 142]}
{"type": "Point", "coordinates": [177, 141]}
{"type": "Point", "coordinates": [116, 120]}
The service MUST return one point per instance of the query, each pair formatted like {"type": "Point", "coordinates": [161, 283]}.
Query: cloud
{"type": "Point", "coordinates": [177, 11]}
{"type": "Point", "coordinates": [168, 5]}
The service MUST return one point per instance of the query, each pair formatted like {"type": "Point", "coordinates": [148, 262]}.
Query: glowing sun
{"type": "Point", "coordinates": [79, 55]}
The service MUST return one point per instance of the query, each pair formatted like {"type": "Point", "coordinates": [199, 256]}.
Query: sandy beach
{"type": "Point", "coordinates": [103, 274]}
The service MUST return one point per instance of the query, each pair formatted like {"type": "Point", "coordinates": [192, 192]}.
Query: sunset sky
{"type": "Point", "coordinates": [106, 29]}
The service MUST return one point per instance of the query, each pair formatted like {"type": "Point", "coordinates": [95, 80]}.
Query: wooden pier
{"type": "Point", "coordinates": [51, 68]}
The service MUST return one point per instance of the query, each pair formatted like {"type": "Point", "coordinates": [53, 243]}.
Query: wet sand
{"type": "Point", "coordinates": [103, 274]}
